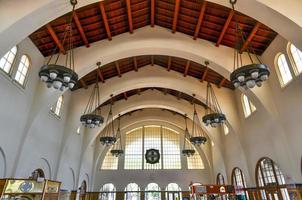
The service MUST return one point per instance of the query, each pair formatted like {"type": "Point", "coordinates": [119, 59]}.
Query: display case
{"type": "Point", "coordinates": [28, 189]}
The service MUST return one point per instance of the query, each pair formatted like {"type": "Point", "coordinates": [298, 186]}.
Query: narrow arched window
{"type": "Point", "coordinates": [58, 106]}
{"type": "Point", "coordinates": [238, 180]}
{"type": "Point", "coordinates": [107, 192]}
{"type": "Point", "coordinates": [132, 192]}
{"type": "Point", "coordinates": [283, 70]}
{"type": "Point", "coordinates": [22, 70]}
{"type": "Point", "coordinates": [220, 179]}
{"type": "Point", "coordinates": [173, 191]}
{"type": "Point", "coordinates": [7, 60]}
{"type": "Point", "coordinates": [152, 192]}
{"type": "Point", "coordinates": [248, 106]}
{"type": "Point", "coordinates": [296, 56]}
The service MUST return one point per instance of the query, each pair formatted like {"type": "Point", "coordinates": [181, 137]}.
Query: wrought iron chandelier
{"type": "Point", "coordinates": [198, 135]}
{"type": "Point", "coordinates": [92, 115]}
{"type": "Point", "coordinates": [109, 137]}
{"type": "Point", "coordinates": [118, 148]}
{"type": "Point", "coordinates": [214, 115]}
{"type": "Point", "coordinates": [187, 151]}
{"type": "Point", "coordinates": [246, 75]}
{"type": "Point", "coordinates": [56, 75]}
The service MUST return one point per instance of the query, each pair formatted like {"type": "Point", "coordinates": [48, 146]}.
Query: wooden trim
{"type": "Point", "coordinates": [80, 28]}
{"type": "Point", "coordinates": [105, 20]}
{"type": "Point", "coordinates": [222, 82]}
{"type": "Point", "coordinates": [152, 60]}
{"type": "Point", "coordinates": [175, 18]}
{"type": "Point", "coordinates": [129, 13]}
{"type": "Point", "coordinates": [200, 18]}
{"type": "Point", "coordinates": [152, 12]}
{"type": "Point", "coordinates": [55, 38]}
{"type": "Point", "coordinates": [187, 68]}
{"type": "Point", "coordinates": [225, 27]}
{"type": "Point", "coordinates": [204, 74]}
{"type": "Point", "coordinates": [117, 66]}
{"type": "Point", "coordinates": [125, 96]}
{"type": "Point", "coordinates": [135, 63]}
{"type": "Point", "coordinates": [250, 37]}
{"type": "Point", "coordinates": [84, 85]}
{"type": "Point", "coordinates": [169, 63]}
{"type": "Point", "coordinates": [100, 75]}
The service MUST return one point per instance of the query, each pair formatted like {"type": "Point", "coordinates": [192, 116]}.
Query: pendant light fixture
{"type": "Point", "coordinates": [214, 115]}
{"type": "Point", "coordinates": [92, 115]}
{"type": "Point", "coordinates": [109, 137]}
{"type": "Point", "coordinates": [187, 151]}
{"type": "Point", "coordinates": [198, 135]}
{"type": "Point", "coordinates": [246, 75]}
{"type": "Point", "coordinates": [56, 75]}
{"type": "Point", "coordinates": [118, 148]}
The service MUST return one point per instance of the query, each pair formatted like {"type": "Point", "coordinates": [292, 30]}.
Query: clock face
{"type": "Point", "coordinates": [26, 186]}
{"type": "Point", "coordinates": [152, 156]}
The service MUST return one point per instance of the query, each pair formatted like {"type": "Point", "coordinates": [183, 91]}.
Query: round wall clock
{"type": "Point", "coordinates": [152, 156]}
{"type": "Point", "coordinates": [26, 186]}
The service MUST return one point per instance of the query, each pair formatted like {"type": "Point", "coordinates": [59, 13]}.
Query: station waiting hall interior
{"type": "Point", "coordinates": [151, 99]}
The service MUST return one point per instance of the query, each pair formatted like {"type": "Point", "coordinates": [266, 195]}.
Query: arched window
{"type": "Point", "coordinates": [238, 180]}
{"type": "Point", "coordinates": [132, 192]}
{"type": "Point", "coordinates": [173, 191]}
{"type": "Point", "coordinates": [283, 70]}
{"type": "Point", "coordinates": [248, 106]}
{"type": "Point", "coordinates": [296, 58]}
{"type": "Point", "coordinates": [58, 107]}
{"type": "Point", "coordinates": [270, 176]}
{"type": "Point", "coordinates": [7, 60]}
{"type": "Point", "coordinates": [220, 179]}
{"type": "Point", "coordinates": [110, 161]}
{"type": "Point", "coordinates": [152, 192]}
{"type": "Point", "coordinates": [107, 192]}
{"type": "Point", "coordinates": [22, 70]}
{"type": "Point", "coordinates": [195, 161]}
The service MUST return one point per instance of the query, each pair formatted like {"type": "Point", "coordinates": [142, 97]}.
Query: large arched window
{"type": "Point", "coordinates": [132, 192]}
{"type": "Point", "coordinates": [283, 70]}
{"type": "Point", "coordinates": [296, 58]}
{"type": "Point", "coordinates": [220, 179]}
{"type": "Point", "coordinates": [22, 70]}
{"type": "Point", "coordinates": [248, 106]}
{"type": "Point", "coordinates": [7, 60]}
{"type": "Point", "coordinates": [152, 192]}
{"type": "Point", "coordinates": [58, 106]}
{"type": "Point", "coordinates": [107, 192]}
{"type": "Point", "coordinates": [270, 180]}
{"type": "Point", "coordinates": [238, 180]}
{"type": "Point", "coordinates": [173, 191]}
{"type": "Point", "coordinates": [110, 161]}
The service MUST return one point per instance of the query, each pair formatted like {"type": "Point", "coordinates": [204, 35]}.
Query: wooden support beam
{"type": "Point", "coordinates": [128, 3]}
{"type": "Point", "coordinates": [105, 20]}
{"type": "Point", "coordinates": [250, 37]}
{"type": "Point", "coordinates": [200, 18]}
{"type": "Point", "coordinates": [175, 18]}
{"type": "Point", "coordinates": [100, 75]}
{"type": "Point", "coordinates": [139, 91]}
{"type": "Point", "coordinates": [165, 91]}
{"type": "Point", "coordinates": [152, 13]}
{"type": "Point", "coordinates": [80, 29]}
{"type": "Point", "coordinates": [222, 82]}
{"type": "Point", "coordinates": [55, 38]}
{"type": "Point", "coordinates": [84, 85]}
{"type": "Point", "coordinates": [204, 74]}
{"type": "Point", "coordinates": [225, 27]}
{"type": "Point", "coordinates": [135, 63]}
{"type": "Point", "coordinates": [125, 96]}
{"type": "Point", "coordinates": [152, 60]}
{"type": "Point", "coordinates": [117, 66]}
{"type": "Point", "coordinates": [169, 63]}
{"type": "Point", "coordinates": [179, 95]}
{"type": "Point", "coordinates": [187, 68]}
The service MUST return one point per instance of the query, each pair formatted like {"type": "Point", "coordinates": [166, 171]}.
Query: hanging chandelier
{"type": "Point", "coordinates": [109, 138]}
{"type": "Point", "coordinates": [56, 75]}
{"type": "Point", "coordinates": [118, 149]}
{"type": "Point", "coordinates": [246, 75]}
{"type": "Point", "coordinates": [92, 115]}
{"type": "Point", "coordinates": [198, 135]}
{"type": "Point", "coordinates": [214, 115]}
{"type": "Point", "coordinates": [187, 151]}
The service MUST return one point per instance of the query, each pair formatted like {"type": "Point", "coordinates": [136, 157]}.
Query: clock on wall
{"type": "Point", "coordinates": [152, 156]}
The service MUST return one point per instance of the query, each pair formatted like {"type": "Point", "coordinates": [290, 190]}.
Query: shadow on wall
{"type": "Point", "coordinates": [2, 163]}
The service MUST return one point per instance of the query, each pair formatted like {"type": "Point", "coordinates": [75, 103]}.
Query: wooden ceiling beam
{"type": "Point", "coordinates": [128, 3]}
{"type": "Point", "coordinates": [135, 63]}
{"type": "Point", "coordinates": [117, 66]}
{"type": "Point", "coordinates": [100, 75]}
{"type": "Point", "coordinates": [169, 63]}
{"type": "Point", "coordinates": [179, 95]}
{"type": "Point", "coordinates": [250, 37]}
{"type": "Point", "coordinates": [165, 91]}
{"type": "Point", "coordinates": [200, 19]}
{"type": "Point", "coordinates": [187, 68]}
{"type": "Point", "coordinates": [152, 60]}
{"type": "Point", "coordinates": [55, 38]}
{"type": "Point", "coordinates": [80, 29]}
{"type": "Point", "coordinates": [152, 13]}
{"type": "Point", "coordinates": [105, 20]}
{"type": "Point", "coordinates": [175, 18]}
{"type": "Point", "coordinates": [139, 91]}
{"type": "Point", "coordinates": [125, 96]}
{"type": "Point", "coordinates": [84, 85]}
{"type": "Point", "coordinates": [204, 75]}
{"type": "Point", "coordinates": [225, 27]}
{"type": "Point", "coordinates": [222, 82]}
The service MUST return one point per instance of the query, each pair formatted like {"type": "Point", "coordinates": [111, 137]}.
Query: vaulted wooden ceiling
{"type": "Point", "coordinates": [199, 19]}
{"type": "Point", "coordinates": [180, 65]}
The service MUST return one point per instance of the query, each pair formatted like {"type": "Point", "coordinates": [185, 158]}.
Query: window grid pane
{"type": "Point", "coordinates": [132, 192]}
{"type": "Point", "coordinates": [22, 70]}
{"type": "Point", "coordinates": [110, 162]}
{"type": "Point", "coordinates": [107, 192]}
{"type": "Point", "coordinates": [297, 56]}
{"type": "Point", "coordinates": [171, 149]}
{"type": "Point", "coordinates": [133, 149]}
{"type": "Point", "coordinates": [152, 140]}
{"type": "Point", "coordinates": [152, 192]}
{"type": "Point", "coordinates": [284, 69]}
{"type": "Point", "coordinates": [7, 60]}
{"type": "Point", "coordinates": [195, 161]}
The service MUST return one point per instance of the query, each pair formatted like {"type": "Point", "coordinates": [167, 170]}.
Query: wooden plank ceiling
{"type": "Point", "coordinates": [177, 94]}
{"type": "Point", "coordinates": [180, 65]}
{"type": "Point", "coordinates": [199, 19]}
